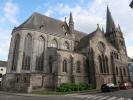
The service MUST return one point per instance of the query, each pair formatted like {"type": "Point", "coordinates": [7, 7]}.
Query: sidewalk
{"type": "Point", "coordinates": [23, 94]}
{"type": "Point", "coordinates": [41, 95]}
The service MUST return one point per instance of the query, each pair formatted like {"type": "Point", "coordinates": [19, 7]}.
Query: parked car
{"type": "Point", "coordinates": [125, 85]}
{"type": "Point", "coordinates": [109, 87]}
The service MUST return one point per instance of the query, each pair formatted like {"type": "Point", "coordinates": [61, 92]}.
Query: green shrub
{"type": "Point", "coordinates": [64, 87]}
{"type": "Point", "coordinates": [68, 87]}
{"type": "Point", "coordinates": [83, 86]}
{"type": "Point", "coordinates": [73, 87]}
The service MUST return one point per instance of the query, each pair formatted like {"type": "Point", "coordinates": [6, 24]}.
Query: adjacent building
{"type": "Point", "coordinates": [3, 65]}
{"type": "Point", "coordinates": [130, 67]}
{"type": "Point", "coordinates": [45, 52]}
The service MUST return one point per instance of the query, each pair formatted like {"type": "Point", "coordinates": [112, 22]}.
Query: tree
{"type": "Point", "coordinates": [131, 4]}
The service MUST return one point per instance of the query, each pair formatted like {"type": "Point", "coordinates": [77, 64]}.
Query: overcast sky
{"type": "Point", "coordinates": [86, 13]}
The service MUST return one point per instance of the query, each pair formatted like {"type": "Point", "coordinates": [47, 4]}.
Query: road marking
{"type": "Point", "coordinates": [84, 96]}
{"type": "Point", "coordinates": [104, 98]}
{"type": "Point", "coordinates": [121, 99]}
{"type": "Point", "coordinates": [112, 98]}
{"type": "Point", "coordinates": [129, 99]}
{"type": "Point", "coordinates": [90, 96]}
{"type": "Point", "coordinates": [97, 97]}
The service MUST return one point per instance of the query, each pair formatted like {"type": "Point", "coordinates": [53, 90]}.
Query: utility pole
{"type": "Point", "coordinates": [131, 4]}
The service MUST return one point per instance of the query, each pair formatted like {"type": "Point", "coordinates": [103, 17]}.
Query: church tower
{"type": "Point", "coordinates": [114, 34]}
{"type": "Point", "coordinates": [71, 24]}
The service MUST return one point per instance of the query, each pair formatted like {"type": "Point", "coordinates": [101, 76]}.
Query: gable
{"type": "Point", "coordinates": [98, 38]}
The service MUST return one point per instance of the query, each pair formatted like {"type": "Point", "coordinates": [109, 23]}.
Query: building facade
{"type": "Point", "coordinates": [45, 52]}
{"type": "Point", "coordinates": [130, 67]}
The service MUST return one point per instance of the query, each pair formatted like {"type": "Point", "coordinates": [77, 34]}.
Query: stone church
{"type": "Point", "coordinates": [45, 52]}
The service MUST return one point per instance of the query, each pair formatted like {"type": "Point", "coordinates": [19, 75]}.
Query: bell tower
{"type": "Point", "coordinates": [114, 34]}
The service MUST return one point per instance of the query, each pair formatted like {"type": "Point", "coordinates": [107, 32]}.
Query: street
{"type": "Point", "coordinates": [118, 95]}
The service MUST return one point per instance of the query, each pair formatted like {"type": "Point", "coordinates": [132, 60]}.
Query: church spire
{"type": "Point", "coordinates": [71, 18]}
{"type": "Point", "coordinates": [98, 27]}
{"type": "Point", "coordinates": [102, 29]}
{"type": "Point", "coordinates": [110, 25]}
{"type": "Point", "coordinates": [119, 28]}
{"type": "Point", "coordinates": [71, 23]}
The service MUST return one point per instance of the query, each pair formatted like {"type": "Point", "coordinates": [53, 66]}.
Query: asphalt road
{"type": "Point", "coordinates": [118, 95]}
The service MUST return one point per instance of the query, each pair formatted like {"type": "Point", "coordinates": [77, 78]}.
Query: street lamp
{"type": "Point", "coordinates": [131, 4]}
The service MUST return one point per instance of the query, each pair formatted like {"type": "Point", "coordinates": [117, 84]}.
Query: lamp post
{"type": "Point", "coordinates": [131, 4]}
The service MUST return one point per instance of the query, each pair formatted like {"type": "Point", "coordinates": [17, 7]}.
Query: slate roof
{"type": "Point", "coordinates": [85, 40]}
{"type": "Point", "coordinates": [37, 21]}
{"type": "Point", "coordinates": [79, 35]}
{"type": "Point", "coordinates": [3, 63]}
{"type": "Point", "coordinates": [47, 24]}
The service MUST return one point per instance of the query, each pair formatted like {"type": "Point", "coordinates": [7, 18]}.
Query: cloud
{"type": "Point", "coordinates": [4, 43]}
{"type": "Point", "coordinates": [86, 17]}
{"type": "Point", "coordinates": [8, 18]}
{"type": "Point", "coordinates": [84, 20]}
{"type": "Point", "coordinates": [130, 51]}
{"type": "Point", "coordinates": [10, 11]}
{"type": "Point", "coordinates": [48, 13]}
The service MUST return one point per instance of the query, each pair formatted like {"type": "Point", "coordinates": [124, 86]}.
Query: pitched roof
{"type": "Point", "coordinates": [44, 23]}
{"type": "Point", "coordinates": [79, 35]}
{"type": "Point", "coordinates": [85, 40]}
{"type": "Point", "coordinates": [48, 24]}
{"type": "Point", "coordinates": [3, 63]}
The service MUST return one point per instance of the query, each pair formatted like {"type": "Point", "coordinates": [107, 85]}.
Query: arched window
{"type": "Point", "coordinates": [27, 53]}
{"type": "Point", "coordinates": [65, 66]}
{"type": "Point", "coordinates": [66, 45]}
{"type": "Point", "coordinates": [78, 67]}
{"type": "Point", "coordinates": [106, 63]}
{"type": "Point", "coordinates": [54, 44]}
{"type": "Point", "coordinates": [117, 73]}
{"type": "Point", "coordinates": [100, 64]}
{"type": "Point", "coordinates": [40, 54]}
{"type": "Point", "coordinates": [71, 64]}
{"type": "Point", "coordinates": [124, 70]}
{"type": "Point", "coordinates": [103, 64]}
{"type": "Point", "coordinates": [15, 52]}
{"type": "Point", "coordinates": [50, 64]}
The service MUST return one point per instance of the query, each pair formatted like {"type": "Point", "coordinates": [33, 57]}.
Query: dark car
{"type": "Point", "coordinates": [125, 85]}
{"type": "Point", "coordinates": [109, 87]}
